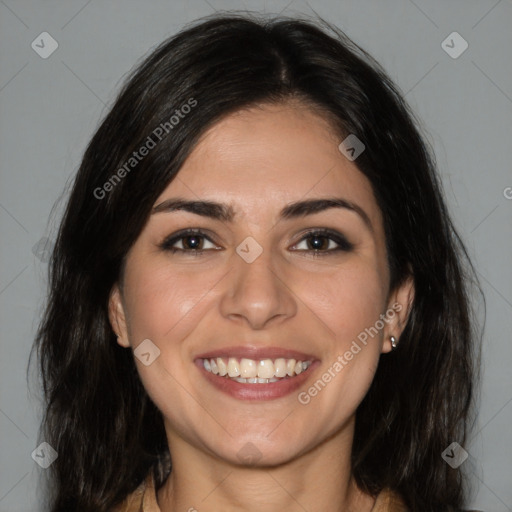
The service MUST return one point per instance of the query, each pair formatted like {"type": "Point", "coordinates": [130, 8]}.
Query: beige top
{"type": "Point", "coordinates": [143, 499]}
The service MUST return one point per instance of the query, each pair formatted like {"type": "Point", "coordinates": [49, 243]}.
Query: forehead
{"type": "Point", "coordinates": [270, 155]}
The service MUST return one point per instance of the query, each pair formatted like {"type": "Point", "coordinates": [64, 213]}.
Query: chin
{"type": "Point", "coordinates": [257, 451]}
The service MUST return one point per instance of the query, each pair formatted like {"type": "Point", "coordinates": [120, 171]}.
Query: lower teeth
{"type": "Point", "coordinates": [255, 380]}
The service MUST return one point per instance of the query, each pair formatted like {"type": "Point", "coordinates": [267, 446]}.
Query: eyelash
{"type": "Point", "coordinates": [343, 244]}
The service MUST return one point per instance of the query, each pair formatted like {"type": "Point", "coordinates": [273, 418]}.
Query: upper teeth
{"type": "Point", "coordinates": [249, 370]}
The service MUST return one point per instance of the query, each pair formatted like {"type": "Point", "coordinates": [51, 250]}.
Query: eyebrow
{"type": "Point", "coordinates": [226, 213]}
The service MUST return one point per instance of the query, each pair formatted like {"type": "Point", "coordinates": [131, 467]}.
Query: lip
{"type": "Point", "coordinates": [257, 392]}
{"type": "Point", "coordinates": [256, 353]}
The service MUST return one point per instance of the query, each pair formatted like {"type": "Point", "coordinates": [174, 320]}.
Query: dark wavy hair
{"type": "Point", "coordinates": [98, 416]}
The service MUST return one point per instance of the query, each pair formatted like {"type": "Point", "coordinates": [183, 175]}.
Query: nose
{"type": "Point", "coordinates": [257, 293]}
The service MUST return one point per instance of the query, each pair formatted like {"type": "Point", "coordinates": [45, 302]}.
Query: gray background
{"type": "Point", "coordinates": [50, 107]}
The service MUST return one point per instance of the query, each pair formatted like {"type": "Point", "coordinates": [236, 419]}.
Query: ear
{"type": "Point", "coordinates": [397, 313]}
{"type": "Point", "coordinates": [117, 316]}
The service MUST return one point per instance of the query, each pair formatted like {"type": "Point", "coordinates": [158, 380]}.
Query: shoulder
{"type": "Point", "coordinates": [133, 502]}
{"type": "Point", "coordinates": [389, 501]}
{"type": "Point", "coordinates": [143, 499]}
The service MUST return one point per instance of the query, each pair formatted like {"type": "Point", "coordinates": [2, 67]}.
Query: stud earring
{"type": "Point", "coordinates": [394, 342]}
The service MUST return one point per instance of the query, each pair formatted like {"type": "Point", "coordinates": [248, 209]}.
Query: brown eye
{"type": "Point", "coordinates": [318, 242]}
{"type": "Point", "coordinates": [324, 241]}
{"type": "Point", "coordinates": [192, 242]}
{"type": "Point", "coordinates": [189, 241]}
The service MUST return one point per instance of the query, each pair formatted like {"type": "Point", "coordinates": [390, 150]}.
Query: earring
{"type": "Point", "coordinates": [394, 342]}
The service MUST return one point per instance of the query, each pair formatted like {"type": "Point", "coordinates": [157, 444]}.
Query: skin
{"type": "Point", "coordinates": [258, 161]}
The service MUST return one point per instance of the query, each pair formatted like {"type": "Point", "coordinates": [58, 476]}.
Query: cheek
{"type": "Point", "coordinates": [166, 305]}
{"type": "Point", "coordinates": [163, 299]}
{"type": "Point", "coordinates": [348, 300]}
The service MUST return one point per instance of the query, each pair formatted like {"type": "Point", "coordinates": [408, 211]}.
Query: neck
{"type": "Point", "coordinates": [320, 479]}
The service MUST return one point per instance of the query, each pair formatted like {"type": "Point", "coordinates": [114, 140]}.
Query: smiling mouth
{"type": "Point", "coordinates": [251, 371]}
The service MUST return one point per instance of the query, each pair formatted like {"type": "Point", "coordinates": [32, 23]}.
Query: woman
{"type": "Point", "coordinates": [258, 300]}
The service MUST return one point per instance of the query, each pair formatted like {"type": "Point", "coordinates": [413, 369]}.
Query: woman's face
{"type": "Point", "coordinates": [272, 278]}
